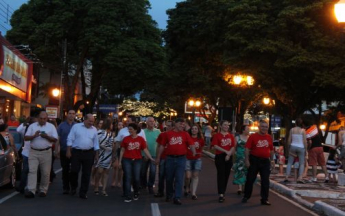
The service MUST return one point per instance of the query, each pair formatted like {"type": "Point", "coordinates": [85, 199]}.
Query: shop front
{"type": "Point", "coordinates": [15, 82]}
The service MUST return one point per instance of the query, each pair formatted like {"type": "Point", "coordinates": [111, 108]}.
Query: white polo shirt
{"type": "Point", "coordinates": [124, 132]}
{"type": "Point", "coordinates": [39, 142]}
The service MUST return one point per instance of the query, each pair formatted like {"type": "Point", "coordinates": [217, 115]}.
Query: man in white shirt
{"type": "Point", "coordinates": [82, 142]}
{"type": "Point", "coordinates": [42, 136]}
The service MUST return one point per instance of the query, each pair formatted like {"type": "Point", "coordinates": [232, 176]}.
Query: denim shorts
{"type": "Point", "coordinates": [193, 165]}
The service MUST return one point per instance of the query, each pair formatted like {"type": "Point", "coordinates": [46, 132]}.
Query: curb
{"type": "Point", "coordinates": [318, 206]}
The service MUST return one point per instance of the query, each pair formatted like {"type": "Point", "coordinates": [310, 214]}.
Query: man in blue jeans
{"type": "Point", "coordinates": [169, 126]}
{"type": "Point", "coordinates": [175, 144]}
{"type": "Point", "coordinates": [151, 134]}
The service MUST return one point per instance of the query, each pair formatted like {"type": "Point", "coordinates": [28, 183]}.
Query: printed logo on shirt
{"type": "Point", "coordinates": [175, 141]}
{"type": "Point", "coordinates": [196, 145]}
{"type": "Point", "coordinates": [132, 146]}
{"type": "Point", "coordinates": [262, 144]}
{"type": "Point", "coordinates": [226, 142]}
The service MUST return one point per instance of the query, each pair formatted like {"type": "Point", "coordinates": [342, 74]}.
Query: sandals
{"type": "Point", "coordinates": [104, 193]}
{"type": "Point", "coordinates": [96, 192]}
{"type": "Point", "coordinates": [300, 182]}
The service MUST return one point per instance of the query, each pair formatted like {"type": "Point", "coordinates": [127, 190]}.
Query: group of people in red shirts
{"type": "Point", "coordinates": [181, 154]}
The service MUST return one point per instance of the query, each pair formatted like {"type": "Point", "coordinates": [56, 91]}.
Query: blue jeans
{"type": "Point", "coordinates": [175, 169]}
{"type": "Point", "coordinates": [131, 172]}
{"type": "Point", "coordinates": [24, 174]}
{"type": "Point", "coordinates": [161, 176]}
{"type": "Point", "coordinates": [152, 174]}
{"type": "Point", "coordinates": [300, 152]}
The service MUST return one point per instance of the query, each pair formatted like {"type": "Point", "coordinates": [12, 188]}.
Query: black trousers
{"type": "Point", "coordinates": [81, 160]}
{"type": "Point", "coordinates": [66, 166]}
{"type": "Point", "coordinates": [262, 166]}
{"type": "Point", "coordinates": [223, 172]}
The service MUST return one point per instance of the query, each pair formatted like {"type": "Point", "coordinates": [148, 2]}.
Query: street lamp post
{"type": "Point", "coordinates": [194, 105]}
{"type": "Point", "coordinates": [173, 113]}
{"type": "Point", "coordinates": [239, 80]}
{"type": "Point", "coordinates": [267, 101]}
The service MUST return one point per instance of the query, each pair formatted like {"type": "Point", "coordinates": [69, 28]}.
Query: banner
{"type": "Point", "coordinates": [52, 111]}
{"type": "Point", "coordinates": [14, 70]}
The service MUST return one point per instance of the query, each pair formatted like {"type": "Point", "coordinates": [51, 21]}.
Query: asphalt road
{"type": "Point", "coordinates": [207, 204]}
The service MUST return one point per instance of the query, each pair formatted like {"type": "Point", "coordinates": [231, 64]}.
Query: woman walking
{"type": "Point", "coordinates": [224, 143]}
{"type": "Point", "coordinates": [297, 143]}
{"type": "Point", "coordinates": [131, 159]}
{"type": "Point", "coordinates": [106, 140]}
{"type": "Point", "coordinates": [193, 163]}
{"type": "Point", "coordinates": [240, 166]}
{"type": "Point", "coordinates": [117, 174]}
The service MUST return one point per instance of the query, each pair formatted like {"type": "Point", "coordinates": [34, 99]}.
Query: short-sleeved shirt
{"type": "Point", "coordinates": [199, 144]}
{"type": "Point", "coordinates": [40, 142]}
{"type": "Point", "coordinates": [260, 145]}
{"type": "Point", "coordinates": [159, 141]}
{"type": "Point", "coordinates": [124, 132]}
{"type": "Point", "coordinates": [133, 147]}
{"type": "Point", "coordinates": [63, 131]}
{"type": "Point", "coordinates": [225, 142]}
{"type": "Point", "coordinates": [176, 142]}
{"type": "Point", "coordinates": [151, 137]}
{"type": "Point", "coordinates": [83, 138]}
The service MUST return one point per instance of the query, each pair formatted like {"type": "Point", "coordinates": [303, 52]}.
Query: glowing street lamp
{"type": "Point", "coordinates": [339, 11]}
{"type": "Point", "coordinates": [194, 104]}
{"type": "Point", "coordinates": [266, 101]}
{"type": "Point", "coordinates": [56, 92]}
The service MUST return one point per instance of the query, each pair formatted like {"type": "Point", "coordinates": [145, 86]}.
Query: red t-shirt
{"type": "Point", "coordinates": [159, 141]}
{"type": "Point", "coordinates": [133, 147]}
{"type": "Point", "coordinates": [199, 145]}
{"type": "Point", "coordinates": [224, 141]}
{"type": "Point", "coordinates": [13, 123]}
{"type": "Point", "coordinates": [176, 142]}
{"type": "Point", "coordinates": [260, 145]}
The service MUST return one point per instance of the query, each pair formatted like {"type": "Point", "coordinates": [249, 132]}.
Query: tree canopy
{"type": "Point", "coordinates": [293, 48]}
{"type": "Point", "coordinates": [118, 38]}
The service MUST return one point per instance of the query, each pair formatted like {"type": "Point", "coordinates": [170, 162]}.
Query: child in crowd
{"type": "Point", "coordinates": [332, 165]}
{"type": "Point", "coordinates": [281, 158]}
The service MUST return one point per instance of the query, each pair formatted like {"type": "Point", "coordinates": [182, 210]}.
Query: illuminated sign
{"type": "Point", "coordinates": [14, 70]}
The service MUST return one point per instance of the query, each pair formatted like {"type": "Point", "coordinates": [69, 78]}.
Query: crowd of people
{"type": "Point", "coordinates": [136, 151]}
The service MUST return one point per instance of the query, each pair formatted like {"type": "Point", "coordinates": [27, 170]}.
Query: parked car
{"type": "Point", "coordinates": [18, 138]}
{"type": "Point", "coordinates": [7, 166]}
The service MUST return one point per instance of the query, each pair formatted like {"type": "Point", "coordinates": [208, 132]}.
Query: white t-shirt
{"type": "Point", "coordinates": [26, 147]}
{"type": "Point", "coordinates": [208, 131]}
{"type": "Point", "coordinates": [39, 142]}
{"type": "Point", "coordinates": [124, 132]}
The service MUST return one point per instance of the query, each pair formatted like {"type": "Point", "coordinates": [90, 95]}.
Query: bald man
{"type": "Point", "coordinates": [82, 143]}
{"type": "Point", "coordinates": [42, 135]}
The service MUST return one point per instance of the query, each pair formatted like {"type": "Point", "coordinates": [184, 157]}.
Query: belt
{"type": "Point", "coordinates": [41, 149]}
{"type": "Point", "coordinates": [83, 150]}
{"type": "Point", "coordinates": [176, 156]}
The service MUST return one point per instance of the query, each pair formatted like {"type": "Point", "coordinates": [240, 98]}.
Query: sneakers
{"type": "Point", "coordinates": [159, 194]}
{"type": "Point", "coordinates": [128, 199]}
{"type": "Point", "coordinates": [221, 199]}
{"type": "Point", "coordinates": [135, 197]}
{"type": "Point", "coordinates": [313, 180]}
{"type": "Point", "coordinates": [29, 194]}
{"type": "Point", "coordinates": [194, 197]}
{"type": "Point", "coordinates": [244, 200]}
{"type": "Point", "coordinates": [326, 180]}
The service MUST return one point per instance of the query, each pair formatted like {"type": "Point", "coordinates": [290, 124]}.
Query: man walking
{"type": "Point", "coordinates": [151, 134]}
{"type": "Point", "coordinates": [63, 131]}
{"type": "Point", "coordinates": [42, 136]}
{"type": "Point", "coordinates": [82, 142]}
{"type": "Point", "coordinates": [161, 181]}
{"type": "Point", "coordinates": [175, 144]}
{"type": "Point", "coordinates": [258, 153]}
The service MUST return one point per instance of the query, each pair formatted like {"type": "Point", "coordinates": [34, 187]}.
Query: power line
{"type": "Point", "coordinates": [7, 5]}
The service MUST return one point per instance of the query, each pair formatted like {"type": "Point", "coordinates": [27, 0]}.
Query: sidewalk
{"type": "Point", "coordinates": [325, 198]}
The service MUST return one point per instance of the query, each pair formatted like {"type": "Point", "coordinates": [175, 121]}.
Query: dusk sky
{"type": "Point", "coordinates": [158, 11]}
